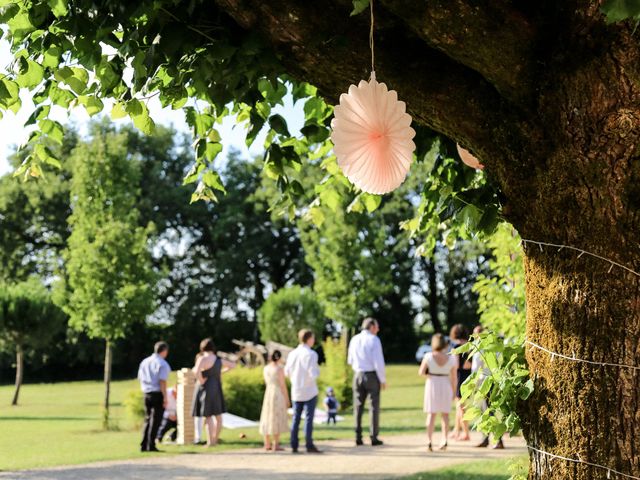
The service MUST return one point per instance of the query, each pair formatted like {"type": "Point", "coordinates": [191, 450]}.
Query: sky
{"type": "Point", "coordinates": [13, 133]}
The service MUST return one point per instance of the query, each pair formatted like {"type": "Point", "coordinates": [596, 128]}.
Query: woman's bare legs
{"type": "Point", "coordinates": [210, 431]}
{"type": "Point", "coordinates": [431, 422]}
{"type": "Point", "coordinates": [444, 424]}
{"type": "Point", "coordinates": [276, 443]}
{"type": "Point", "coordinates": [267, 442]}
{"type": "Point", "coordinates": [464, 425]}
{"type": "Point", "coordinates": [458, 422]}
{"type": "Point", "coordinates": [218, 429]}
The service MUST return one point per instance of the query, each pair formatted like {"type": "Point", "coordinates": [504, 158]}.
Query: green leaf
{"type": "Point", "coordinates": [212, 179]}
{"type": "Point", "coordinates": [51, 58]}
{"type": "Point", "coordinates": [52, 129]}
{"type": "Point", "coordinates": [371, 202]}
{"type": "Point", "coordinates": [315, 109]}
{"type": "Point", "coordinates": [118, 111]}
{"type": "Point", "coordinates": [9, 92]}
{"type": "Point", "coordinates": [92, 104]}
{"type": "Point", "coordinates": [315, 133]}
{"type": "Point", "coordinates": [32, 75]}
{"type": "Point", "coordinates": [619, 10]}
{"type": "Point", "coordinates": [140, 115]}
{"type": "Point", "coordinates": [279, 124]}
{"type": "Point", "coordinates": [212, 150]}
{"type": "Point", "coordinates": [58, 7]}
{"type": "Point", "coordinates": [359, 6]}
{"type": "Point", "coordinates": [38, 114]}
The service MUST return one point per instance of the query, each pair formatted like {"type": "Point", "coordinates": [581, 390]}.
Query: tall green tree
{"type": "Point", "coordinates": [29, 320]}
{"type": "Point", "coordinates": [108, 282]}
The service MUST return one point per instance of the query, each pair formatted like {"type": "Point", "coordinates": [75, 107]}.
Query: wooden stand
{"type": "Point", "coordinates": [186, 387]}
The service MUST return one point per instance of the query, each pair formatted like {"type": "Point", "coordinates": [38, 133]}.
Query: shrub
{"type": "Point", "coordinates": [134, 407]}
{"type": "Point", "coordinates": [288, 310]}
{"type": "Point", "coordinates": [335, 372]}
{"type": "Point", "coordinates": [243, 392]}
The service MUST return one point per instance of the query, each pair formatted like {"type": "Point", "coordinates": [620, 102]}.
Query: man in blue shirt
{"type": "Point", "coordinates": [153, 373]}
{"type": "Point", "coordinates": [367, 361]}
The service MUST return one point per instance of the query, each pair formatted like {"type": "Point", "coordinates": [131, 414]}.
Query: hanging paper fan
{"type": "Point", "coordinates": [469, 159]}
{"type": "Point", "coordinates": [372, 137]}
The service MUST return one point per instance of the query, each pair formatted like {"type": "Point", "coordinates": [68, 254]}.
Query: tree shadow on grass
{"type": "Point", "coordinates": [171, 472]}
{"type": "Point", "coordinates": [39, 419]}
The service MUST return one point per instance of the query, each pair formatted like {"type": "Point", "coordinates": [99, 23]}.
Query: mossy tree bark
{"type": "Point", "coordinates": [547, 95]}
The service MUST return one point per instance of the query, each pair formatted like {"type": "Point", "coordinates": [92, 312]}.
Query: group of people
{"type": "Point", "coordinates": [301, 367]}
{"type": "Point", "coordinates": [444, 375]}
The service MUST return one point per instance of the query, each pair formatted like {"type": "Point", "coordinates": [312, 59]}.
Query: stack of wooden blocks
{"type": "Point", "coordinates": [186, 387]}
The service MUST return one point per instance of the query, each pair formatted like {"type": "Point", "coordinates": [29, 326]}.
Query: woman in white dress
{"type": "Point", "coordinates": [440, 368]}
{"type": "Point", "coordinates": [273, 418]}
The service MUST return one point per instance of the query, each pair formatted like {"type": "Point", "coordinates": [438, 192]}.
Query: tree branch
{"type": "Point", "coordinates": [320, 43]}
{"type": "Point", "coordinates": [493, 39]}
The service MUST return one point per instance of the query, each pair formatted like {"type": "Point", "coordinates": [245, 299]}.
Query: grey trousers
{"type": "Point", "coordinates": [366, 384]}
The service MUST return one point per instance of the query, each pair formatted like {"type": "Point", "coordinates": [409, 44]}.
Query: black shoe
{"type": "Point", "coordinates": [376, 442]}
{"type": "Point", "coordinates": [359, 442]}
{"type": "Point", "coordinates": [484, 443]}
{"type": "Point", "coordinates": [144, 449]}
{"type": "Point", "coordinates": [154, 449]}
{"type": "Point", "coordinates": [313, 450]}
{"type": "Point", "coordinates": [294, 450]}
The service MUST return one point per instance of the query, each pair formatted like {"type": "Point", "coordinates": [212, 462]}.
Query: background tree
{"type": "Point", "coordinates": [287, 311]}
{"type": "Point", "coordinates": [29, 320]}
{"type": "Point", "coordinates": [108, 281]}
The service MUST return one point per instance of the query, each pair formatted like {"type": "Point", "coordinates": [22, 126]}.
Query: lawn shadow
{"type": "Point", "coordinates": [125, 471]}
{"type": "Point", "coordinates": [56, 418]}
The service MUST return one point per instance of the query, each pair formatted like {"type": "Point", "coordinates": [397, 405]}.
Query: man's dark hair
{"type": "Point", "coordinates": [304, 335]}
{"type": "Point", "coordinates": [276, 355]}
{"type": "Point", "coordinates": [160, 347]}
{"type": "Point", "coordinates": [369, 322]}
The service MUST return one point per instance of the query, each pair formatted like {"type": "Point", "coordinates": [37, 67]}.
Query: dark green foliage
{"type": "Point", "coordinates": [243, 392]}
{"type": "Point", "coordinates": [287, 311]}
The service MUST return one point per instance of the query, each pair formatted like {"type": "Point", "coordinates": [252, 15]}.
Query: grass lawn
{"type": "Point", "coordinates": [488, 470]}
{"type": "Point", "coordinates": [59, 424]}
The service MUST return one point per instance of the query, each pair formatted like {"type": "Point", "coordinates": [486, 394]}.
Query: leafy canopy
{"type": "Point", "coordinates": [192, 56]}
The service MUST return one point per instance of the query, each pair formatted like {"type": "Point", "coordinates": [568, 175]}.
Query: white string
{"type": "Point", "coordinates": [609, 470]}
{"type": "Point", "coordinates": [574, 359]}
{"type": "Point", "coordinates": [582, 252]}
{"type": "Point", "coordinates": [373, 70]}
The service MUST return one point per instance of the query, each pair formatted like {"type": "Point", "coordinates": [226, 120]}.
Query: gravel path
{"type": "Point", "coordinates": [401, 455]}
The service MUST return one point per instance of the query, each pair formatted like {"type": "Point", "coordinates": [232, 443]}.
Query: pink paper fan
{"type": "Point", "coordinates": [469, 159]}
{"type": "Point", "coordinates": [372, 137]}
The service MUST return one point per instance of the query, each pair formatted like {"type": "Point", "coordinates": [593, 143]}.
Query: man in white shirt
{"type": "Point", "coordinates": [302, 369]}
{"type": "Point", "coordinates": [367, 361]}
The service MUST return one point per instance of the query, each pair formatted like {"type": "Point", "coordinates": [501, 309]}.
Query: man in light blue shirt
{"type": "Point", "coordinates": [366, 359]}
{"type": "Point", "coordinates": [153, 374]}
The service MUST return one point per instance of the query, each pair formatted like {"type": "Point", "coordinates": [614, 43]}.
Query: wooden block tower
{"type": "Point", "coordinates": [186, 387]}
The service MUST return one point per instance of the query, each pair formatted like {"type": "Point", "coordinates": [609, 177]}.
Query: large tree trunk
{"type": "Point", "coordinates": [19, 373]}
{"type": "Point", "coordinates": [587, 194]}
{"type": "Point", "coordinates": [108, 360]}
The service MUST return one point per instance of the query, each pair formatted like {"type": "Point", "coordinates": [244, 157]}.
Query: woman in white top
{"type": "Point", "coordinates": [440, 368]}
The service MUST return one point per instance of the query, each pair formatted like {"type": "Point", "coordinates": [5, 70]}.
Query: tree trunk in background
{"type": "Point", "coordinates": [432, 296]}
{"type": "Point", "coordinates": [19, 373]}
{"type": "Point", "coordinates": [108, 360]}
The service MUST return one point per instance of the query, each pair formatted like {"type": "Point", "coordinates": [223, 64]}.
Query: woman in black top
{"type": "Point", "coordinates": [460, 336]}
